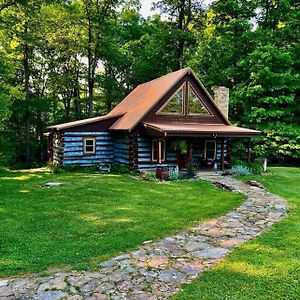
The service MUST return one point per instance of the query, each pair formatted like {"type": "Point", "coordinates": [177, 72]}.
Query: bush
{"type": "Point", "coordinates": [174, 174]}
{"type": "Point", "coordinates": [256, 168]}
{"type": "Point", "coordinates": [54, 169]}
{"type": "Point", "coordinates": [241, 170]}
{"type": "Point", "coordinates": [149, 176]}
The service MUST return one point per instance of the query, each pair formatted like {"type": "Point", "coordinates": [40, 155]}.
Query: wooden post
{"type": "Point", "coordinates": [222, 156]}
{"type": "Point", "coordinates": [249, 150]}
{"type": "Point", "coordinates": [190, 154]}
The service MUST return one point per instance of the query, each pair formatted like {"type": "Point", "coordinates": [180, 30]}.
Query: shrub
{"type": "Point", "coordinates": [241, 170]}
{"type": "Point", "coordinates": [174, 174]}
{"type": "Point", "coordinates": [149, 176]}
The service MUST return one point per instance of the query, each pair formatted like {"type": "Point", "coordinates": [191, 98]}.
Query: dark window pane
{"type": "Point", "coordinates": [154, 150]}
{"type": "Point", "coordinates": [163, 152]}
{"type": "Point", "coordinates": [195, 105]}
{"type": "Point", "coordinates": [89, 146]}
{"type": "Point", "coordinates": [89, 142]}
{"type": "Point", "coordinates": [175, 105]}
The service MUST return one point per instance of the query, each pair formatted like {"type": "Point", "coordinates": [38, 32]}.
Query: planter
{"type": "Point", "coordinates": [162, 172]}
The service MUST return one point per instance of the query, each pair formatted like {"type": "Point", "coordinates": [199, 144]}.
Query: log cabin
{"type": "Point", "coordinates": [169, 121]}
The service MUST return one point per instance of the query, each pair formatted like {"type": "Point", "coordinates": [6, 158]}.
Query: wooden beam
{"type": "Point", "coordinates": [249, 150]}
{"type": "Point", "coordinates": [190, 153]}
{"type": "Point", "coordinates": [222, 155]}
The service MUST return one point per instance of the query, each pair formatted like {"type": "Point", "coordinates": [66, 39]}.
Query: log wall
{"type": "Point", "coordinates": [73, 154]}
{"type": "Point", "coordinates": [121, 149]}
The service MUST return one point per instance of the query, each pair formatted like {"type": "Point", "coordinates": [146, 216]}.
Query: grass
{"type": "Point", "coordinates": [267, 267]}
{"type": "Point", "coordinates": [93, 217]}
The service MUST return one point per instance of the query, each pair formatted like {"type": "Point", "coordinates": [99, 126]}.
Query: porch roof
{"type": "Point", "coordinates": [196, 129]}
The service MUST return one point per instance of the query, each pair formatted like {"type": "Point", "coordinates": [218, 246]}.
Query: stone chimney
{"type": "Point", "coordinates": [222, 99]}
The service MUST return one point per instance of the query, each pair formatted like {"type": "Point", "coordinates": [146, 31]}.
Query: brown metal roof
{"type": "Point", "coordinates": [201, 129]}
{"type": "Point", "coordinates": [140, 101]}
{"type": "Point", "coordinates": [82, 122]}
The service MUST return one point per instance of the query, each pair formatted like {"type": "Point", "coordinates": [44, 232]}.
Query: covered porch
{"type": "Point", "coordinates": [204, 147]}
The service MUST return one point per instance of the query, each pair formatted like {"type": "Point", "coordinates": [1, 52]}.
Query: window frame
{"type": "Point", "coordinates": [160, 151]}
{"type": "Point", "coordinates": [85, 145]}
{"type": "Point", "coordinates": [160, 111]}
{"type": "Point", "coordinates": [215, 148]}
{"type": "Point", "coordinates": [189, 87]}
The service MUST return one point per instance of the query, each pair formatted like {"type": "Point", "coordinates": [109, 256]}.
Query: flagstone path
{"type": "Point", "coordinates": [158, 269]}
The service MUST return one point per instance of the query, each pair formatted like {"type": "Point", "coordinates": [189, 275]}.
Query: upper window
{"type": "Point", "coordinates": [184, 102]}
{"type": "Point", "coordinates": [89, 146]}
{"type": "Point", "coordinates": [175, 104]}
{"type": "Point", "coordinates": [195, 105]}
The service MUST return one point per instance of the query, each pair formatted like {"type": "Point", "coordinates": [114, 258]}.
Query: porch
{"type": "Point", "coordinates": [202, 146]}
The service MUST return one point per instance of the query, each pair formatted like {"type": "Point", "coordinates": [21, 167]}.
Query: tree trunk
{"type": "Point", "coordinates": [180, 49]}
{"type": "Point", "coordinates": [91, 81]}
{"type": "Point", "coordinates": [27, 97]}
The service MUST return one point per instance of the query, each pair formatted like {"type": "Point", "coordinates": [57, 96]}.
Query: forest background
{"type": "Point", "coordinates": [64, 60]}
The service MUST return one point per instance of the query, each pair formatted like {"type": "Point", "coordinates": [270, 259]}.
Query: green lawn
{"type": "Point", "coordinates": [93, 217]}
{"type": "Point", "coordinates": [267, 267]}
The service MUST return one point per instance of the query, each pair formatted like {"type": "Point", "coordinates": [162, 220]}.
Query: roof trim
{"type": "Point", "coordinates": [235, 132]}
{"type": "Point", "coordinates": [72, 124]}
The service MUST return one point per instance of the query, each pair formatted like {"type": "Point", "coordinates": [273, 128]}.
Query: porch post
{"type": "Point", "coordinates": [222, 155]}
{"type": "Point", "coordinates": [249, 150]}
{"type": "Point", "coordinates": [190, 154]}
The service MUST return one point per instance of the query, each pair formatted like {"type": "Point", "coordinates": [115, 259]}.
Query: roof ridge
{"type": "Point", "coordinates": [166, 75]}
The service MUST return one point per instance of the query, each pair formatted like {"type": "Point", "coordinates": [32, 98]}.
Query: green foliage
{"type": "Point", "coordinates": [191, 170]}
{"type": "Point", "coordinates": [180, 145]}
{"type": "Point", "coordinates": [149, 176]}
{"type": "Point", "coordinates": [174, 174]}
{"type": "Point", "coordinates": [241, 170]}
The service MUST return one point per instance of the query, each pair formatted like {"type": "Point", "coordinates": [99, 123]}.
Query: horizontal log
{"type": "Point", "coordinates": [146, 154]}
{"type": "Point", "coordinates": [80, 162]}
{"type": "Point", "coordinates": [87, 133]}
{"type": "Point", "coordinates": [121, 157]}
{"type": "Point", "coordinates": [121, 146]}
{"type": "Point", "coordinates": [73, 144]}
{"type": "Point", "coordinates": [72, 139]}
{"type": "Point", "coordinates": [121, 160]}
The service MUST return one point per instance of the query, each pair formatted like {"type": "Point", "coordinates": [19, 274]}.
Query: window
{"type": "Point", "coordinates": [210, 149]}
{"type": "Point", "coordinates": [194, 104]}
{"type": "Point", "coordinates": [184, 102]}
{"type": "Point", "coordinates": [175, 104]}
{"type": "Point", "coordinates": [89, 146]}
{"type": "Point", "coordinates": [158, 151]}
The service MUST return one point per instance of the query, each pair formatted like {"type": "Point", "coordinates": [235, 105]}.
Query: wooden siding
{"type": "Point", "coordinates": [121, 149]}
{"type": "Point", "coordinates": [73, 154]}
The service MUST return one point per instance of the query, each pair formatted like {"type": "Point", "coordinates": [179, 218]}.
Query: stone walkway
{"type": "Point", "coordinates": [158, 269]}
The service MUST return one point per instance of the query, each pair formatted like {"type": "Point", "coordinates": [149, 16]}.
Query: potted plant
{"type": "Point", "coordinates": [180, 146]}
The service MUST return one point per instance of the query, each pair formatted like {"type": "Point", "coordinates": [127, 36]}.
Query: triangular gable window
{"type": "Point", "coordinates": [175, 104]}
{"type": "Point", "coordinates": [195, 105]}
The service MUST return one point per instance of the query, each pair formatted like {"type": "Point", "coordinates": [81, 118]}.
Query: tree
{"type": "Point", "coordinates": [182, 13]}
